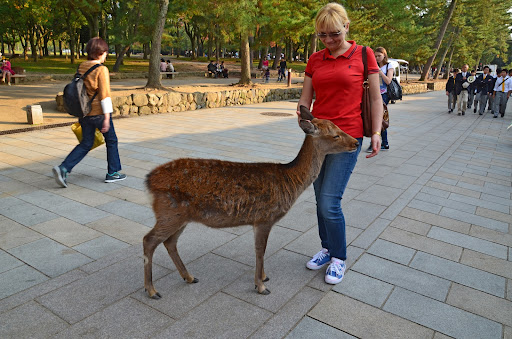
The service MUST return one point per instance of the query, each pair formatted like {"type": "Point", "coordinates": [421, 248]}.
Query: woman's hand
{"type": "Point", "coordinates": [106, 124]}
{"type": "Point", "coordinates": [376, 143]}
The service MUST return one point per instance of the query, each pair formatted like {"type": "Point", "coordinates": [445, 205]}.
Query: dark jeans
{"type": "Point", "coordinates": [89, 125]}
{"type": "Point", "coordinates": [384, 134]}
{"type": "Point", "coordinates": [329, 188]}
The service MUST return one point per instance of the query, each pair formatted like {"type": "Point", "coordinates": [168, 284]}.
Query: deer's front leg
{"type": "Point", "coordinates": [261, 233]}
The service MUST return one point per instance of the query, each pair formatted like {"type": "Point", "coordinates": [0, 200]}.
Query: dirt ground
{"type": "Point", "coordinates": [14, 99]}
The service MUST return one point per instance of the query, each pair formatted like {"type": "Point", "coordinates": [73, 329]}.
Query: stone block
{"type": "Point", "coordinates": [30, 321]}
{"type": "Point", "coordinates": [84, 297]}
{"type": "Point", "coordinates": [411, 225]}
{"type": "Point", "coordinates": [365, 321]}
{"type": "Point", "coordinates": [220, 316]}
{"type": "Point", "coordinates": [425, 206]}
{"type": "Point", "coordinates": [13, 234]}
{"type": "Point", "coordinates": [433, 199]}
{"type": "Point", "coordinates": [18, 279]}
{"type": "Point", "coordinates": [483, 304]}
{"type": "Point", "coordinates": [392, 251]}
{"type": "Point", "coordinates": [403, 276]}
{"type": "Point", "coordinates": [152, 99]}
{"type": "Point", "coordinates": [49, 257]}
{"type": "Point", "coordinates": [24, 213]}
{"type": "Point", "coordinates": [126, 318]}
{"type": "Point", "coordinates": [99, 247]}
{"type": "Point", "coordinates": [487, 263]}
{"type": "Point", "coordinates": [434, 219]}
{"type": "Point", "coordinates": [361, 214]}
{"type": "Point", "coordinates": [474, 219]}
{"type": "Point", "coordinates": [364, 288]}
{"type": "Point", "coordinates": [140, 99]}
{"type": "Point", "coordinates": [120, 228]}
{"type": "Point", "coordinates": [440, 316]}
{"type": "Point", "coordinates": [8, 262]}
{"type": "Point", "coordinates": [459, 273]}
{"type": "Point", "coordinates": [134, 110]}
{"type": "Point", "coordinates": [178, 297]}
{"type": "Point", "coordinates": [368, 236]}
{"type": "Point", "coordinates": [66, 232]}
{"type": "Point", "coordinates": [309, 328]}
{"type": "Point", "coordinates": [469, 242]}
{"type": "Point", "coordinates": [500, 207]}
{"type": "Point", "coordinates": [144, 110]}
{"type": "Point", "coordinates": [288, 275]}
{"type": "Point", "coordinates": [34, 114]}
{"type": "Point", "coordinates": [127, 210]}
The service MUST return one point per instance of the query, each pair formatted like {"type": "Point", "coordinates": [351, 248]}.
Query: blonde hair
{"type": "Point", "coordinates": [332, 16]}
{"type": "Point", "coordinates": [384, 52]}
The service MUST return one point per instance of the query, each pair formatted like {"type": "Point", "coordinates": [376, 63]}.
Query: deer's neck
{"type": "Point", "coordinates": [304, 169]}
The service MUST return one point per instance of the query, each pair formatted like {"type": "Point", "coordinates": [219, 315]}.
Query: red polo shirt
{"type": "Point", "coordinates": [338, 85]}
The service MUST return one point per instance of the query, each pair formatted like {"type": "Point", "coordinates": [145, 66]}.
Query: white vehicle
{"type": "Point", "coordinates": [400, 66]}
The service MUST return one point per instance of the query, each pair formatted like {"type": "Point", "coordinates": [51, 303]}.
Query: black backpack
{"type": "Point", "coordinates": [75, 95]}
{"type": "Point", "coordinates": [394, 89]}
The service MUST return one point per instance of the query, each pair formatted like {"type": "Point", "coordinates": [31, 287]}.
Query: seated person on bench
{"type": "Point", "coordinates": [212, 69]}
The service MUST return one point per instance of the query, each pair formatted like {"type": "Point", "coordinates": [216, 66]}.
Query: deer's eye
{"type": "Point", "coordinates": [336, 136]}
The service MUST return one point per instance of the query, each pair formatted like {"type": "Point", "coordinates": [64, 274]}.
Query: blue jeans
{"type": "Point", "coordinates": [89, 125]}
{"type": "Point", "coordinates": [384, 134]}
{"type": "Point", "coordinates": [329, 188]}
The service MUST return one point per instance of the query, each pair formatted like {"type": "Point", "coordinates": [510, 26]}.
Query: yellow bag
{"type": "Point", "coordinates": [98, 137]}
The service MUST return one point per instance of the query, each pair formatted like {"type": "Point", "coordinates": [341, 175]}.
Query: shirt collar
{"type": "Point", "coordinates": [348, 54]}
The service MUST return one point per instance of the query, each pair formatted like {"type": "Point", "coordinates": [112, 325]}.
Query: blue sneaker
{"type": "Point", "coordinates": [60, 174]}
{"type": "Point", "coordinates": [319, 260]}
{"type": "Point", "coordinates": [335, 271]}
{"type": "Point", "coordinates": [116, 176]}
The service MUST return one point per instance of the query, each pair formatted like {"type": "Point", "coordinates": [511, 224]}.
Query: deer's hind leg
{"type": "Point", "coordinates": [150, 242]}
{"type": "Point", "coordinates": [170, 245]}
{"type": "Point", "coordinates": [261, 233]}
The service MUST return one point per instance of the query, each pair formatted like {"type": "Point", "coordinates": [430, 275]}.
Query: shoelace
{"type": "Point", "coordinates": [320, 256]}
{"type": "Point", "coordinates": [335, 267]}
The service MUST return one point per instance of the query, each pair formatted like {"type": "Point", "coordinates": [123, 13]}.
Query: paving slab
{"type": "Point", "coordinates": [49, 257]}
{"type": "Point", "coordinates": [30, 320]}
{"type": "Point", "coordinates": [403, 276]}
{"type": "Point", "coordinates": [310, 328]}
{"type": "Point", "coordinates": [364, 288]}
{"type": "Point", "coordinates": [439, 316]}
{"type": "Point", "coordinates": [82, 298]}
{"type": "Point", "coordinates": [392, 251]}
{"type": "Point", "coordinates": [364, 321]}
{"type": "Point", "coordinates": [18, 279]}
{"type": "Point", "coordinates": [459, 273]}
{"type": "Point", "coordinates": [8, 262]}
{"type": "Point", "coordinates": [221, 316]}
{"type": "Point", "coordinates": [126, 318]}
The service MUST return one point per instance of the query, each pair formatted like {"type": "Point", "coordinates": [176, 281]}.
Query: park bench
{"type": "Point", "coordinates": [16, 78]}
{"type": "Point", "coordinates": [173, 74]}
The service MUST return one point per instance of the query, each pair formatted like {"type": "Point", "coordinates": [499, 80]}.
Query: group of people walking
{"type": "Point", "coordinates": [465, 89]}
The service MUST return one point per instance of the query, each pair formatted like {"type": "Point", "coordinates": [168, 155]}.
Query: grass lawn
{"type": "Point", "coordinates": [61, 65]}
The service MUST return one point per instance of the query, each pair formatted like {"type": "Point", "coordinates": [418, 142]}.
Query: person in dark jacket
{"type": "Point", "coordinates": [471, 90]}
{"type": "Point", "coordinates": [450, 91]}
{"type": "Point", "coordinates": [484, 86]}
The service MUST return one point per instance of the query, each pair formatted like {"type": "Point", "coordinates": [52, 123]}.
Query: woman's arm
{"type": "Point", "coordinates": [377, 113]}
{"type": "Point", "coordinates": [387, 78]}
{"type": "Point", "coordinates": [306, 98]}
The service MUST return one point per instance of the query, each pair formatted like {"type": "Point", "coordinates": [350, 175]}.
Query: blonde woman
{"type": "Point", "coordinates": [335, 75]}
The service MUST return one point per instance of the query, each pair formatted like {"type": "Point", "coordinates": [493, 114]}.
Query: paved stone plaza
{"type": "Point", "coordinates": [428, 230]}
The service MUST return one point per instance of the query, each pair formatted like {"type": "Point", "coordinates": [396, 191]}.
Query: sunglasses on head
{"type": "Point", "coordinates": [330, 35]}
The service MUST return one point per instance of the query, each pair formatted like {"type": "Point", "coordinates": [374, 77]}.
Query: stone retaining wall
{"type": "Point", "coordinates": [143, 104]}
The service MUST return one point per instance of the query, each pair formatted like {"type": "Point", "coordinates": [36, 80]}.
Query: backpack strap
{"type": "Point", "coordinates": [87, 73]}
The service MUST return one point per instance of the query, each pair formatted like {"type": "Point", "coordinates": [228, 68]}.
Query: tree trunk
{"type": "Point", "coordinates": [54, 48]}
{"type": "Point", "coordinates": [279, 50]}
{"type": "Point", "coordinates": [119, 60]}
{"type": "Point", "coordinates": [440, 36]}
{"type": "Point", "coordinates": [154, 80]}
{"type": "Point", "coordinates": [33, 46]}
{"type": "Point", "coordinates": [60, 47]}
{"type": "Point", "coordinates": [145, 48]}
{"type": "Point", "coordinates": [449, 66]}
{"type": "Point", "coordinates": [312, 45]}
{"type": "Point", "coordinates": [245, 76]}
{"type": "Point", "coordinates": [441, 60]}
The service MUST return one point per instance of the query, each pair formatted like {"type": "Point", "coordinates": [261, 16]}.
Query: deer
{"type": "Point", "coordinates": [222, 194]}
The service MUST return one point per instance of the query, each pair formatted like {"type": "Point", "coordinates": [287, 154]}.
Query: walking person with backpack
{"type": "Point", "coordinates": [97, 115]}
{"type": "Point", "coordinates": [386, 73]}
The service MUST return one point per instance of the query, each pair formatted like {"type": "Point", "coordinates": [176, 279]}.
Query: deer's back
{"type": "Point", "coordinates": [222, 193]}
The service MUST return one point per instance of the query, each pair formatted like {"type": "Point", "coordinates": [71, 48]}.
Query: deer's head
{"type": "Point", "coordinates": [329, 137]}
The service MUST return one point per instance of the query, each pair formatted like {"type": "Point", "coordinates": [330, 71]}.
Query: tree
{"type": "Point", "coordinates": [442, 30]}
{"type": "Point", "coordinates": [154, 80]}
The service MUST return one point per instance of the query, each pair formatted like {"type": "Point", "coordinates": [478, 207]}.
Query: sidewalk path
{"type": "Point", "coordinates": [428, 231]}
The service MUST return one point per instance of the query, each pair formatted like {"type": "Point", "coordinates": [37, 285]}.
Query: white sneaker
{"type": "Point", "coordinates": [335, 272]}
{"type": "Point", "coordinates": [319, 260]}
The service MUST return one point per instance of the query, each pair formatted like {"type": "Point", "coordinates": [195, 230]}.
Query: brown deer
{"type": "Point", "coordinates": [227, 194]}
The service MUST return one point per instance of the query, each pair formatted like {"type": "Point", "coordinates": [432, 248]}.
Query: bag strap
{"type": "Point", "coordinates": [87, 73]}
{"type": "Point", "coordinates": [365, 63]}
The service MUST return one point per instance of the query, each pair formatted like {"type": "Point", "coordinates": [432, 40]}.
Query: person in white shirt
{"type": "Point", "coordinates": [461, 88]}
{"type": "Point", "coordinates": [501, 93]}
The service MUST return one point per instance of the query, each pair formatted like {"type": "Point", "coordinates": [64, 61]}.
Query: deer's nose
{"type": "Point", "coordinates": [356, 144]}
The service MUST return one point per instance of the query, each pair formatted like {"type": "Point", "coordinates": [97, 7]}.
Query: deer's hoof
{"type": "Point", "coordinates": [195, 280]}
{"type": "Point", "coordinates": [266, 291]}
{"type": "Point", "coordinates": [266, 279]}
{"type": "Point", "coordinates": [155, 296]}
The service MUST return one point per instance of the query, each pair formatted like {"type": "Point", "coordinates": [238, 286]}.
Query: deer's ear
{"type": "Point", "coordinates": [308, 127]}
{"type": "Point", "coordinates": [305, 113]}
